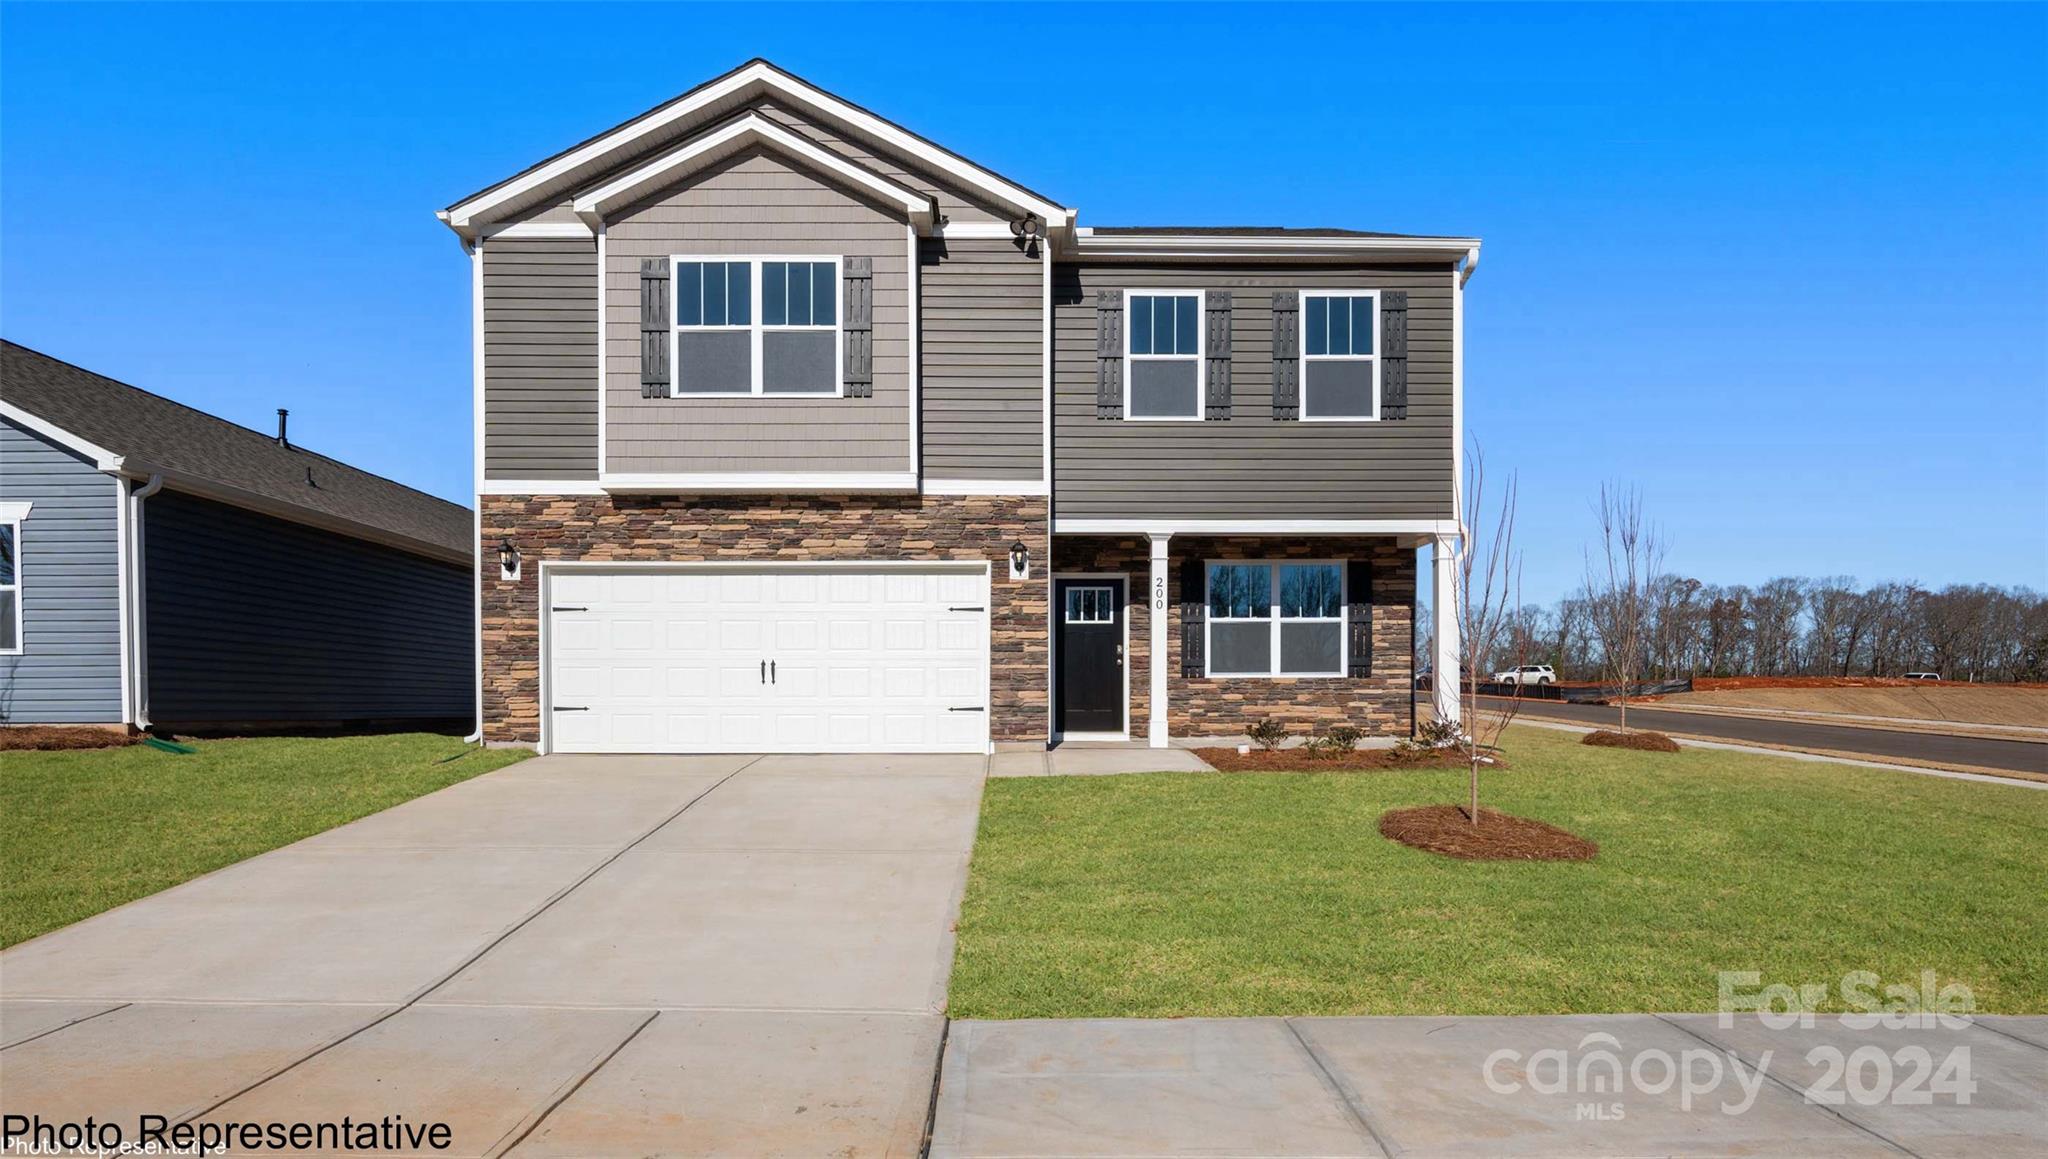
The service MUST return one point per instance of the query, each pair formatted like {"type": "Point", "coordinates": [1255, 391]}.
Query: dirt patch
{"type": "Point", "coordinates": [1647, 742]}
{"type": "Point", "coordinates": [48, 737]}
{"type": "Point", "coordinates": [2010, 705]}
{"type": "Point", "coordinates": [1448, 829]}
{"type": "Point", "coordinates": [1303, 760]}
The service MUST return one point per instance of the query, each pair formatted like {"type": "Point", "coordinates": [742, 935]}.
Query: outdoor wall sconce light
{"type": "Point", "coordinates": [508, 561]}
{"type": "Point", "coordinates": [1020, 561]}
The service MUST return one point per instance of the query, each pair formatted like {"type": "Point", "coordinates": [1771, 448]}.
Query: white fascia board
{"type": "Point", "coordinates": [536, 230]}
{"type": "Point", "coordinates": [102, 458]}
{"type": "Point", "coordinates": [1255, 527]}
{"type": "Point", "coordinates": [760, 482]}
{"type": "Point", "coordinates": [1227, 246]}
{"type": "Point", "coordinates": [749, 130]}
{"type": "Point", "coordinates": [985, 487]}
{"type": "Point", "coordinates": [461, 218]}
{"type": "Point", "coordinates": [539, 487]}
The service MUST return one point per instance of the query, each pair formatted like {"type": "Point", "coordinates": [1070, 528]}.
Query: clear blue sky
{"type": "Point", "coordinates": [1781, 267]}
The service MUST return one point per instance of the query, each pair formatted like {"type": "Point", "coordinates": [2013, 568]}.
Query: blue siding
{"type": "Point", "coordinates": [257, 620]}
{"type": "Point", "coordinates": [69, 671]}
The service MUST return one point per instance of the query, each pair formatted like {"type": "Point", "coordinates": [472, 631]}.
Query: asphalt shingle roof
{"type": "Point", "coordinates": [150, 429]}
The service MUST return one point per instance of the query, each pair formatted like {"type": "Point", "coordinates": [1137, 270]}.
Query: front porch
{"type": "Point", "coordinates": [1314, 631]}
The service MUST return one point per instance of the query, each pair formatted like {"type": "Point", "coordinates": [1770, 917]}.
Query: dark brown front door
{"type": "Point", "coordinates": [1091, 676]}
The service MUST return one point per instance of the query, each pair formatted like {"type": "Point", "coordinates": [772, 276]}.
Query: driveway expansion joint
{"type": "Point", "coordinates": [1352, 1100]}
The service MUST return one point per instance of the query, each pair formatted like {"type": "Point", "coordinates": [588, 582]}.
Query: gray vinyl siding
{"type": "Point", "coordinates": [69, 670]}
{"type": "Point", "coordinates": [540, 359]}
{"type": "Point", "coordinates": [1252, 466]}
{"type": "Point", "coordinates": [757, 203]}
{"type": "Point", "coordinates": [982, 346]}
{"type": "Point", "coordinates": [955, 203]}
{"type": "Point", "coordinates": [253, 619]}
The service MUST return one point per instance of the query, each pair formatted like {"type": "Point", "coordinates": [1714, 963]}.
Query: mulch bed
{"type": "Point", "coordinates": [1647, 742]}
{"type": "Point", "coordinates": [49, 737]}
{"type": "Point", "coordinates": [1448, 829]}
{"type": "Point", "coordinates": [1302, 760]}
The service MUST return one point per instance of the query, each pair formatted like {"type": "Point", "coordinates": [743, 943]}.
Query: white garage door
{"type": "Point", "coordinates": [767, 660]}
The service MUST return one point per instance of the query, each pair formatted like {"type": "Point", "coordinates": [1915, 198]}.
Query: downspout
{"type": "Point", "coordinates": [141, 601]}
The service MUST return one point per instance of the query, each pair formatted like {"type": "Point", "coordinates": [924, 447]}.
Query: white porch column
{"type": "Point", "coordinates": [1443, 649]}
{"type": "Point", "coordinates": [1155, 604]}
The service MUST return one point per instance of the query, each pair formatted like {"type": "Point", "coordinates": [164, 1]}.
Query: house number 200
{"type": "Point", "coordinates": [1159, 595]}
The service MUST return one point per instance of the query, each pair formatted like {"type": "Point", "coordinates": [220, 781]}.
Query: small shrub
{"type": "Point", "coordinates": [1432, 736]}
{"type": "Point", "coordinates": [1267, 734]}
{"type": "Point", "coordinates": [1341, 738]}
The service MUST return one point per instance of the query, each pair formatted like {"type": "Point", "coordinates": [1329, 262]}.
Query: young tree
{"type": "Point", "coordinates": [1488, 575]}
{"type": "Point", "coordinates": [1618, 580]}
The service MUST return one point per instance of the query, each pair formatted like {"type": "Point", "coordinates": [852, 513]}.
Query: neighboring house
{"type": "Point", "coordinates": [162, 566]}
{"type": "Point", "coordinates": [800, 432]}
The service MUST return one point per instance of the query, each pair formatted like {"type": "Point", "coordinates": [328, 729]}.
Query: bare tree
{"type": "Point", "coordinates": [1619, 581]}
{"type": "Point", "coordinates": [1488, 599]}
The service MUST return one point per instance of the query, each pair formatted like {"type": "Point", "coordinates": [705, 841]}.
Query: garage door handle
{"type": "Point", "coordinates": [967, 609]}
{"type": "Point", "coordinates": [771, 672]}
{"type": "Point", "coordinates": [976, 708]}
{"type": "Point", "coordinates": [571, 708]}
{"type": "Point", "coordinates": [764, 672]}
{"type": "Point", "coordinates": [568, 609]}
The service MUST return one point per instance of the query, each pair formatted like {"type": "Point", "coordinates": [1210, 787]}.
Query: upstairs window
{"type": "Point", "coordinates": [756, 326]}
{"type": "Point", "coordinates": [1340, 374]}
{"type": "Point", "coordinates": [1163, 358]}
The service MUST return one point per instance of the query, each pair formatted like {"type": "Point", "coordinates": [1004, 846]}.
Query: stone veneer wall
{"type": "Point", "coordinates": [777, 528]}
{"type": "Point", "coordinates": [1223, 706]}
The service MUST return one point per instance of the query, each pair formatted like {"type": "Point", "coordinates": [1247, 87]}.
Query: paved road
{"type": "Point", "coordinates": [1876, 743]}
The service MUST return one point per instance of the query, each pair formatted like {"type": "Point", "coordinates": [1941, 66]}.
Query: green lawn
{"type": "Point", "coordinates": [1183, 894]}
{"type": "Point", "coordinates": [84, 831]}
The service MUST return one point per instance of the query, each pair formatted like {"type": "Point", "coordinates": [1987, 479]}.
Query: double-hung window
{"type": "Point", "coordinates": [756, 326]}
{"type": "Point", "coordinates": [1276, 619]}
{"type": "Point", "coordinates": [1340, 366]}
{"type": "Point", "coordinates": [10, 587]}
{"type": "Point", "coordinates": [1163, 355]}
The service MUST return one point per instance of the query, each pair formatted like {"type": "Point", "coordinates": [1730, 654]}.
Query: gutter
{"type": "Point", "coordinates": [139, 662]}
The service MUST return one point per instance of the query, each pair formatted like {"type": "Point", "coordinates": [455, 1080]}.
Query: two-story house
{"type": "Point", "coordinates": [799, 432]}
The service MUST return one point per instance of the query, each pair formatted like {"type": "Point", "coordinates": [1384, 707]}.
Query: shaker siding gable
{"type": "Point", "coordinates": [757, 203]}
{"type": "Point", "coordinates": [540, 359]}
{"type": "Point", "coordinates": [981, 343]}
{"type": "Point", "coordinates": [69, 668]}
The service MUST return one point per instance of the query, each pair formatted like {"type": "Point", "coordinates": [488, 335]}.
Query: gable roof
{"type": "Point", "coordinates": [129, 430]}
{"type": "Point", "coordinates": [574, 169]}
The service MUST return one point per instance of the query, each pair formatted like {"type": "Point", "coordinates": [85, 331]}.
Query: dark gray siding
{"type": "Point", "coordinates": [982, 335]}
{"type": "Point", "coordinates": [540, 359]}
{"type": "Point", "coordinates": [1252, 466]}
{"type": "Point", "coordinates": [253, 619]}
{"type": "Point", "coordinates": [69, 670]}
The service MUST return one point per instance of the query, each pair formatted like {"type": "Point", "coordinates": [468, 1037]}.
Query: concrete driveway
{"type": "Point", "coordinates": [582, 956]}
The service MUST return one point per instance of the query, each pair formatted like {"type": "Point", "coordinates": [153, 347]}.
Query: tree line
{"type": "Point", "coordinates": [1792, 626]}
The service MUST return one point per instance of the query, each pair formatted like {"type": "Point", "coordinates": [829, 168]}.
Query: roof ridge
{"type": "Point", "coordinates": [227, 422]}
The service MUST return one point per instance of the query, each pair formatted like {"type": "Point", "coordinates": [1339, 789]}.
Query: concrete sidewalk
{"type": "Point", "coordinates": [1532, 1086]}
{"type": "Point", "coordinates": [571, 956]}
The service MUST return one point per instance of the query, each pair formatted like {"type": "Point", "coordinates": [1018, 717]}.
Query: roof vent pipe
{"type": "Point", "coordinates": [282, 415]}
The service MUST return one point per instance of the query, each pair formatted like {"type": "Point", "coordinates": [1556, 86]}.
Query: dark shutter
{"type": "Point", "coordinates": [1216, 306]}
{"type": "Point", "coordinates": [860, 327]}
{"type": "Point", "coordinates": [1394, 372]}
{"type": "Point", "coordinates": [1109, 354]}
{"type": "Point", "coordinates": [1286, 355]}
{"type": "Point", "coordinates": [654, 328]}
{"type": "Point", "coordinates": [1194, 606]}
{"type": "Point", "coordinates": [1358, 616]}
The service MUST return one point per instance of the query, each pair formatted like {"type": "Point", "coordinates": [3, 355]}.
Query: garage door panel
{"type": "Point", "coordinates": [864, 660]}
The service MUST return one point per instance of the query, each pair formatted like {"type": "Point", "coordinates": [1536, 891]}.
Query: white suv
{"type": "Point", "coordinates": [1527, 674]}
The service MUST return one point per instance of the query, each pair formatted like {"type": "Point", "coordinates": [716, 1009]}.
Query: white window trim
{"type": "Point", "coordinates": [756, 327]}
{"type": "Point", "coordinates": [1301, 343]}
{"type": "Point", "coordinates": [1273, 620]}
{"type": "Point", "coordinates": [13, 523]}
{"type": "Point", "coordinates": [1201, 355]}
